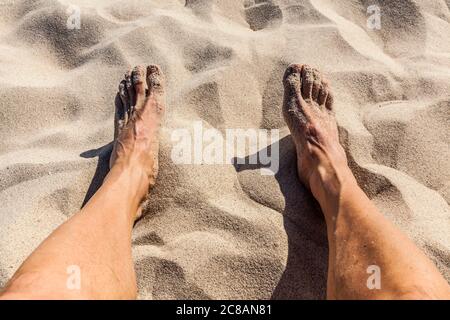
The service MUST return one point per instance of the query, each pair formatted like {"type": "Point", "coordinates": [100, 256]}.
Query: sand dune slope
{"type": "Point", "coordinates": [220, 231]}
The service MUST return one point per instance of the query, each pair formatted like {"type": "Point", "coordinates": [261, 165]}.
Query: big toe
{"type": "Point", "coordinates": [293, 78]}
{"type": "Point", "coordinates": [294, 106]}
{"type": "Point", "coordinates": [138, 76]}
{"type": "Point", "coordinates": [156, 88]}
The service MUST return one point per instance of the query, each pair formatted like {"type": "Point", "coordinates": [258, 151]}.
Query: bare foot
{"type": "Point", "coordinates": [308, 112]}
{"type": "Point", "coordinates": [139, 114]}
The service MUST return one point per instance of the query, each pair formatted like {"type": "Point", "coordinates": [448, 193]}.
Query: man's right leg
{"type": "Point", "coordinates": [359, 235]}
{"type": "Point", "coordinates": [93, 248]}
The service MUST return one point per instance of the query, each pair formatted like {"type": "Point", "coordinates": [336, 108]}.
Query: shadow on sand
{"type": "Point", "coordinates": [103, 154]}
{"type": "Point", "coordinates": [305, 276]}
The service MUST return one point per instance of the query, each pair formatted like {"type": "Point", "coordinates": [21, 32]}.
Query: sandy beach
{"type": "Point", "coordinates": [224, 231]}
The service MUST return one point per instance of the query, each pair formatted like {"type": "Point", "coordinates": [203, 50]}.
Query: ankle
{"type": "Point", "coordinates": [132, 179]}
{"type": "Point", "coordinates": [330, 187]}
{"type": "Point", "coordinates": [329, 182]}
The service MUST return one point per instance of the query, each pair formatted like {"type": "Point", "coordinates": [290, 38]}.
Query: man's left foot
{"type": "Point", "coordinates": [308, 111]}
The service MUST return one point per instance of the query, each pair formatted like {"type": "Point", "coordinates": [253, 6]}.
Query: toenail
{"type": "Point", "coordinates": [137, 78]}
{"type": "Point", "coordinates": [153, 69]}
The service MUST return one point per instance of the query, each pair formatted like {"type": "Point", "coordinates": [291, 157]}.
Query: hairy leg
{"type": "Point", "coordinates": [359, 235]}
{"type": "Point", "coordinates": [96, 242]}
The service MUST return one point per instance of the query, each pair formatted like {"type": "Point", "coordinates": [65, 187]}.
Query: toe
{"type": "Point", "coordinates": [138, 77]}
{"type": "Point", "coordinates": [119, 119]}
{"type": "Point", "coordinates": [123, 93]}
{"type": "Point", "coordinates": [293, 69]}
{"type": "Point", "coordinates": [155, 80]}
{"type": "Point", "coordinates": [124, 108]}
{"type": "Point", "coordinates": [328, 99]}
{"type": "Point", "coordinates": [130, 89]}
{"type": "Point", "coordinates": [307, 82]}
{"type": "Point", "coordinates": [329, 103]}
{"type": "Point", "coordinates": [295, 109]}
{"type": "Point", "coordinates": [292, 80]}
{"type": "Point", "coordinates": [323, 93]}
{"type": "Point", "coordinates": [317, 85]}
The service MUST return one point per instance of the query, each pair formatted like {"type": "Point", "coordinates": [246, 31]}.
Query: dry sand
{"type": "Point", "coordinates": [214, 231]}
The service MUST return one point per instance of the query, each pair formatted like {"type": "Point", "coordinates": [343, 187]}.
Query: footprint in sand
{"type": "Point", "coordinates": [262, 14]}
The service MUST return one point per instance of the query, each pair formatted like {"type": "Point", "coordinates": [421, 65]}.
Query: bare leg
{"type": "Point", "coordinates": [98, 238]}
{"type": "Point", "coordinates": [359, 235]}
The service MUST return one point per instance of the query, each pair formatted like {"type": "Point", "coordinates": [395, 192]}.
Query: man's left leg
{"type": "Point", "coordinates": [89, 256]}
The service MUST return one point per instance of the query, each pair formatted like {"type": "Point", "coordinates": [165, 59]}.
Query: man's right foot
{"type": "Point", "coordinates": [308, 112]}
{"type": "Point", "coordinates": [139, 115]}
